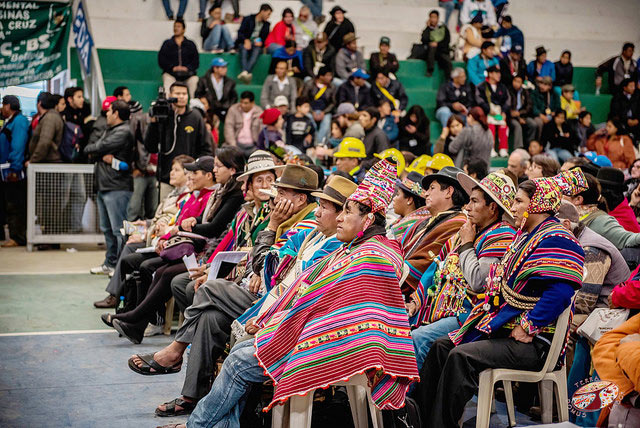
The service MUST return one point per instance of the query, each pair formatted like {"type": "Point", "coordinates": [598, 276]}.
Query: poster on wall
{"type": "Point", "coordinates": [33, 40]}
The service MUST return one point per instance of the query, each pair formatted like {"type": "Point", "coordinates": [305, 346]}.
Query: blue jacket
{"type": "Point", "coordinates": [548, 69]}
{"type": "Point", "coordinates": [390, 128]}
{"type": "Point", "coordinates": [476, 67]}
{"type": "Point", "coordinates": [510, 37]}
{"type": "Point", "coordinates": [13, 151]}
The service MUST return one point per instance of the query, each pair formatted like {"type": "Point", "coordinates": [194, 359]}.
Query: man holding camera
{"type": "Point", "coordinates": [181, 132]}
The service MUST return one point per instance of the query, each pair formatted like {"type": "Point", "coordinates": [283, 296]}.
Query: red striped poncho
{"type": "Point", "coordinates": [345, 315]}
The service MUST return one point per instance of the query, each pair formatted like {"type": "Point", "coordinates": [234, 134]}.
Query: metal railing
{"type": "Point", "coordinates": [61, 205]}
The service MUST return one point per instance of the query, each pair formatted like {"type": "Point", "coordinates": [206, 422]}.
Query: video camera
{"type": "Point", "coordinates": [161, 106]}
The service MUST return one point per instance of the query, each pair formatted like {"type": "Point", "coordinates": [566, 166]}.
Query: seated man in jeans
{"type": "Point", "coordinates": [115, 183]}
{"type": "Point", "coordinates": [250, 42]}
{"type": "Point", "coordinates": [357, 288]}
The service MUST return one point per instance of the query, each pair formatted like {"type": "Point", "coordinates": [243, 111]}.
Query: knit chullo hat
{"type": "Point", "coordinates": [549, 190]}
{"type": "Point", "coordinates": [377, 187]}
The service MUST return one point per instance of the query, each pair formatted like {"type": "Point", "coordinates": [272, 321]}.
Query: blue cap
{"type": "Point", "coordinates": [516, 49]}
{"type": "Point", "coordinates": [360, 73]}
{"type": "Point", "coordinates": [600, 160]}
{"type": "Point", "coordinates": [218, 62]}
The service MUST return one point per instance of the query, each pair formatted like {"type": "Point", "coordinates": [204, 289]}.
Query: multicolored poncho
{"type": "Point", "coordinates": [343, 316]}
{"type": "Point", "coordinates": [549, 260]}
{"type": "Point", "coordinates": [444, 293]}
{"type": "Point", "coordinates": [400, 227]}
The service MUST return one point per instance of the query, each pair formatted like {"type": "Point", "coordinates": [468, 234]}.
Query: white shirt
{"type": "Point", "coordinates": [281, 83]}
{"type": "Point", "coordinates": [217, 86]}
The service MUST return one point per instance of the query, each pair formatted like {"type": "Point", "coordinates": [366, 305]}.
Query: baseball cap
{"type": "Point", "coordinates": [345, 108]}
{"type": "Point", "coordinates": [203, 163]}
{"type": "Point", "coordinates": [107, 102]}
{"type": "Point", "coordinates": [516, 49]}
{"type": "Point", "coordinates": [218, 62]}
{"type": "Point", "coordinates": [360, 73]}
{"type": "Point", "coordinates": [280, 100]}
{"type": "Point", "coordinates": [12, 100]}
{"type": "Point", "coordinates": [384, 40]}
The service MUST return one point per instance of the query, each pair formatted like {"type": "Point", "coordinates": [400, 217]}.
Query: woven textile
{"type": "Point", "coordinates": [400, 227]}
{"type": "Point", "coordinates": [345, 315]}
{"type": "Point", "coordinates": [377, 188]}
{"type": "Point", "coordinates": [549, 190]}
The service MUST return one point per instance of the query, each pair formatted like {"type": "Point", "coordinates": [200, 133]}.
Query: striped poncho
{"type": "Point", "coordinates": [402, 225]}
{"type": "Point", "coordinates": [546, 260]}
{"type": "Point", "coordinates": [344, 316]}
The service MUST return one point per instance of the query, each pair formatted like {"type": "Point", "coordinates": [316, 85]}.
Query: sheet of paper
{"type": "Point", "coordinates": [224, 256]}
{"type": "Point", "coordinates": [190, 262]}
{"type": "Point", "coordinates": [146, 250]}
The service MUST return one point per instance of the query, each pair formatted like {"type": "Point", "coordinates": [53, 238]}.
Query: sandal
{"type": "Point", "coordinates": [150, 363]}
{"type": "Point", "coordinates": [187, 408]}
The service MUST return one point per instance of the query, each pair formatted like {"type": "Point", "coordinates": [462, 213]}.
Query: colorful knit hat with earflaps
{"type": "Point", "coordinates": [377, 187]}
{"type": "Point", "coordinates": [549, 191]}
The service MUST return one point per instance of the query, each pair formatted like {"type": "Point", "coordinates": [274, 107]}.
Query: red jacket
{"type": "Point", "coordinates": [280, 34]}
{"type": "Point", "coordinates": [625, 216]}
{"type": "Point", "coordinates": [193, 207]}
{"type": "Point", "coordinates": [627, 294]}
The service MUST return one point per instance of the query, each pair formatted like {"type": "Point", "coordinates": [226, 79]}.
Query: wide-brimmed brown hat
{"type": "Point", "coordinates": [348, 38]}
{"type": "Point", "coordinates": [337, 190]}
{"type": "Point", "coordinates": [298, 177]}
{"type": "Point", "coordinates": [259, 161]}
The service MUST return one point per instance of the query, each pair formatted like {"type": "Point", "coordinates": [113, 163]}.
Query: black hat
{"type": "Point", "coordinates": [337, 9]}
{"type": "Point", "coordinates": [477, 18]}
{"type": "Point", "coordinates": [540, 50]}
{"type": "Point", "coordinates": [493, 68]}
{"type": "Point", "coordinates": [203, 163]}
{"type": "Point", "coordinates": [486, 45]}
{"type": "Point", "coordinates": [448, 175]}
{"type": "Point", "coordinates": [12, 100]}
{"type": "Point", "coordinates": [611, 178]}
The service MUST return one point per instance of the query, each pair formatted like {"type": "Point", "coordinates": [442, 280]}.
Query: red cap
{"type": "Point", "coordinates": [107, 102]}
{"type": "Point", "coordinates": [270, 116]}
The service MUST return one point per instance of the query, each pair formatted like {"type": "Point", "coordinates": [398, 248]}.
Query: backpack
{"type": "Point", "coordinates": [406, 417]}
{"type": "Point", "coordinates": [71, 136]}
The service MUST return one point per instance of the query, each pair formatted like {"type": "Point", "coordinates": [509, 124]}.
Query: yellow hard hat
{"type": "Point", "coordinates": [396, 155]}
{"type": "Point", "coordinates": [439, 161]}
{"type": "Point", "coordinates": [419, 164]}
{"type": "Point", "coordinates": [351, 147]}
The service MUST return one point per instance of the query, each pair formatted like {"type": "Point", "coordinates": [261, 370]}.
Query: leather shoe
{"type": "Point", "coordinates": [108, 302]}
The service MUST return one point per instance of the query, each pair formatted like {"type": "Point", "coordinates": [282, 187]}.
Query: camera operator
{"type": "Point", "coordinates": [178, 131]}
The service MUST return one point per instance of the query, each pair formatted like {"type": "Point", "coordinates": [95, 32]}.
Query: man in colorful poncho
{"type": "Point", "coordinates": [425, 239]}
{"type": "Point", "coordinates": [513, 325]}
{"type": "Point", "coordinates": [481, 242]}
{"type": "Point", "coordinates": [343, 316]}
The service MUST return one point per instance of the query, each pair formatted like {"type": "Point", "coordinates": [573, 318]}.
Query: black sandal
{"type": "Point", "coordinates": [149, 363]}
{"type": "Point", "coordinates": [187, 408]}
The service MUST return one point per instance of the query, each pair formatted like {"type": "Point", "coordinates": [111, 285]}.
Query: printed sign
{"type": "Point", "coordinates": [83, 40]}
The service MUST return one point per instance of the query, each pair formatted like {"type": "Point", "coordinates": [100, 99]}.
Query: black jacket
{"type": "Point", "coordinates": [443, 45]}
{"type": "Point", "coordinates": [500, 97]}
{"type": "Point", "coordinates": [507, 73]}
{"type": "Point", "coordinates": [190, 139]}
{"type": "Point", "coordinates": [449, 94]}
{"type": "Point", "coordinates": [310, 57]}
{"type": "Point", "coordinates": [526, 109]}
{"type": "Point", "coordinates": [621, 106]}
{"type": "Point", "coordinates": [229, 94]}
{"type": "Point", "coordinates": [171, 55]}
{"type": "Point", "coordinates": [417, 143]}
{"type": "Point", "coordinates": [337, 32]}
{"type": "Point", "coordinates": [551, 135]}
{"type": "Point", "coordinates": [347, 94]}
{"type": "Point", "coordinates": [116, 141]}
{"type": "Point", "coordinates": [389, 64]}
{"type": "Point", "coordinates": [395, 89]}
{"type": "Point", "coordinates": [375, 141]}
{"type": "Point", "coordinates": [564, 74]}
{"type": "Point", "coordinates": [246, 29]}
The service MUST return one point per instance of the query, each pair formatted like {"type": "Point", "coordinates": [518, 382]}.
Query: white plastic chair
{"type": "Point", "coordinates": [296, 412]}
{"type": "Point", "coordinates": [547, 379]}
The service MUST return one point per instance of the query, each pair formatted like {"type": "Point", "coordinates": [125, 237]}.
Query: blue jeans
{"type": "Point", "coordinates": [218, 38]}
{"type": "Point", "coordinates": [273, 47]}
{"type": "Point", "coordinates": [424, 336]}
{"type": "Point", "coordinates": [223, 405]}
{"type": "Point", "coordinates": [144, 200]}
{"type": "Point", "coordinates": [448, 7]}
{"type": "Point", "coordinates": [324, 128]}
{"type": "Point", "coordinates": [248, 58]}
{"type": "Point", "coordinates": [315, 6]}
{"type": "Point", "coordinates": [560, 155]}
{"type": "Point", "coordinates": [181, 8]}
{"type": "Point", "coordinates": [112, 208]}
{"type": "Point", "coordinates": [443, 114]}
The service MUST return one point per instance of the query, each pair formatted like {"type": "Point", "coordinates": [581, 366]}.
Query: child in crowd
{"type": "Point", "coordinates": [300, 128]}
{"type": "Point", "coordinates": [387, 122]}
{"type": "Point", "coordinates": [271, 135]}
{"type": "Point", "coordinates": [535, 148]}
{"type": "Point", "coordinates": [336, 134]}
{"type": "Point", "coordinates": [571, 106]}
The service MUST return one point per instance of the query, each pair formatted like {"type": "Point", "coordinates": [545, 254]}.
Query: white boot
{"type": "Point", "coordinates": [504, 153]}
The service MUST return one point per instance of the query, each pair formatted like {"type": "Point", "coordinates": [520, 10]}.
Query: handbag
{"type": "Point", "coordinates": [179, 246]}
{"type": "Point", "coordinates": [600, 321]}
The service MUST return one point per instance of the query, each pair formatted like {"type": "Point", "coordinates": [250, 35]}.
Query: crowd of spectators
{"type": "Point", "coordinates": [300, 185]}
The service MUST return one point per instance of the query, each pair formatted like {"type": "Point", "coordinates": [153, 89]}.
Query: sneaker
{"type": "Point", "coordinates": [217, 51]}
{"type": "Point", "coordinates": [249, 77]}
{"type": "Point", "coordinates": [494, 154]}
{"type": "Point", "coordinates": [242, 76]}
{"type": "Point", "coordinates": [101, 270]}
{"type": "Point", "coordinates": [504, 153]}
{"type": "Point", "coordinates": [153, 330]}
